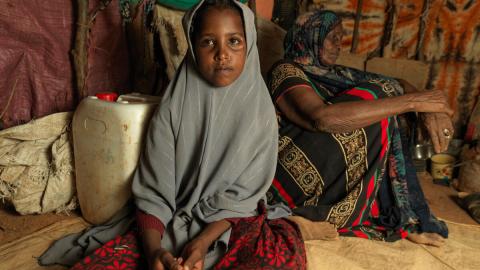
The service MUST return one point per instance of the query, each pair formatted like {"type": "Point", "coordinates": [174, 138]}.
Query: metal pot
{"type": "Point", "coordinates": [422, 151]}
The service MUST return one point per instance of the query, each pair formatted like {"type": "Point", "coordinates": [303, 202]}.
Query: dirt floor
{"type": "Point", "coordinates": [442, 201]}
{"type": "Point", "coordinates": [14, 226]}
{"type": "Point", "coordinates": [440, 198]}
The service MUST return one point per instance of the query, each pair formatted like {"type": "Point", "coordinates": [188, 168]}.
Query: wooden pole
{"type": "Point", "coordinates": [356, 27]}
{"type": "Point", "coordinates": [80, 50]}
{"type": "Point", "coordinates": [421, 31]}
{"type": "Point", "coordinates": [388, 28]}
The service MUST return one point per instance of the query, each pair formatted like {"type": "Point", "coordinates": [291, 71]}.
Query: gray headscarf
{"type": "Point", "coordinates": [210, 152]}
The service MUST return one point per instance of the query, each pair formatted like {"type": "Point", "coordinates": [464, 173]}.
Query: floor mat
{"type": "Point", "coordinates": [459, 252]}
{"type": "Point", "coordinates": [21, 254]}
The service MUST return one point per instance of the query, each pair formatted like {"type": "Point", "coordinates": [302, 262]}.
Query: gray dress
{"type": "Point", "coordinates": [210, 154]}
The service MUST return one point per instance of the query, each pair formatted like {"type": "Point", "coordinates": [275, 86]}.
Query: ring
{"type": "Point", "coordinates": [446, 133]}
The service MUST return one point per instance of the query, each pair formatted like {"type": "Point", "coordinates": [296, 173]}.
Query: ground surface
{"type": "Point", "coordinates": [440, 198]}
{"type": "Point", "coordinates": [14, 226]}
{"type": "Point", "coordinates": [442, 201]}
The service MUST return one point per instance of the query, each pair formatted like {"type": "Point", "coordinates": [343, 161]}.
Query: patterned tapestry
{"type": "Point", "coordinates": [442, 33]}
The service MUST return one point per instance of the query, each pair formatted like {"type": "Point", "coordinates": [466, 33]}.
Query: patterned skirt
{"type": "Point", "coordinates": [255, 243]}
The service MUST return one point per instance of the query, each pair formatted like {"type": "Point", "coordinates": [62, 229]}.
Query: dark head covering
{"type": "Point", "coordinates": [304, 40]}
{"type": "Point", "coordinates": [302, 46]}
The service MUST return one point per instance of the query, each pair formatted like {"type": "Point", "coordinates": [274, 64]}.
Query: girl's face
{"type": "Point", "coordinates": [220, 46]}
{"type": "Point", "coordinates": [331, 46]}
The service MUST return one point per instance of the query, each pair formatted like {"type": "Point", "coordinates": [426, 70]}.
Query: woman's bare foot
{"type": "Point", "coordinates": [315, 230]}
{"type": "Point", "coordinates": [431, 239]}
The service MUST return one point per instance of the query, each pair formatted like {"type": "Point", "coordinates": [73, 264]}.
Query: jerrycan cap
{"type": "Point", "coordinates": [107, 96]}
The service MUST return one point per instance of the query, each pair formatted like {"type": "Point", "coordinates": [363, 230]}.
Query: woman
{"type": "Point", "coordinates": [341, 154]}
{"type": "Point", "coordinates": [208, 162]}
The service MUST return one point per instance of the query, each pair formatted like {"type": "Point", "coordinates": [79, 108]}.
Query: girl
{"type": "Point", "coordinates": [209, 159]}
{"type": "Point", "coordinates": [210, 153]}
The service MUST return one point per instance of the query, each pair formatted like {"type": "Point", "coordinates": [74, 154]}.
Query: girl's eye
{"type": "Point", "coordinates": [208, 42]}
{"type": "Point", "coordinates": [235, 41]}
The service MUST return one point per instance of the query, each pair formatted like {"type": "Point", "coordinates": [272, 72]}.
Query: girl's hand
{"type": "Point", "coordinates": [431, 101]}
{"type": "Point", "coordinates": [164, 260]}
{"type": "Point", "coordinates": [194, 253]}
{"type": "Point", "coordinates": [436, 125]}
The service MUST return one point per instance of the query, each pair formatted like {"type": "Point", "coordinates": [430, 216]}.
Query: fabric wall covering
{"type": "Point", "coordinates": [176, 4]}
{"type": "Point", "coordinates": [443, 33]}
{"type": "Point", "coordinates": [36, 38]}
{"type": "Point", "coordinates": [35, 66]}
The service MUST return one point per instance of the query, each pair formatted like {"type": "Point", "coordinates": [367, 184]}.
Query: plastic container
{"type": "Point", "coordinates": [108, 138]}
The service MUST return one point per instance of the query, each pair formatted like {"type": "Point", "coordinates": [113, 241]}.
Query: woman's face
{"type": "Point", "coordinates": [331, 46]}
{"type": "Point", "coordinates": [220, 46]}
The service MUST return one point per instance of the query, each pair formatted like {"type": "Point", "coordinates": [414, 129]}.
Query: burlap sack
{"type": "Point", "coordinates": [36, 165]}
{"type": "Point", "coordinates": [168, 23]}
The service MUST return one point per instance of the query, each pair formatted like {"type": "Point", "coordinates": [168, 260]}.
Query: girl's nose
{"type": "Point", "coordinates": [222, 53]}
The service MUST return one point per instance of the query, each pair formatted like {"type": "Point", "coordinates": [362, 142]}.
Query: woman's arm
{"type": "Point", "coordinates": [305, 108]}
{"type": "Point", "coordinates": [434, 123]}
{"type": "Point", "coordinates": [195, 251]}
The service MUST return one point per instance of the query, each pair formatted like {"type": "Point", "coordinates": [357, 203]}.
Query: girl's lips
{"type": "Point", "coordinates": [223, 70]}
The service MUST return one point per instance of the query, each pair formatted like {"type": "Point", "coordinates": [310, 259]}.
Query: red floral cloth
{"type": "Point", "coordinates": [121, 253]}
{"type": "Point", "coordinates": [259, 243]}
{"type": "Point", "coordinates": [255, 243]}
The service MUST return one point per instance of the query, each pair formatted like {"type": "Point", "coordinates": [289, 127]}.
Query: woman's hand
{"type": "Point", "coordinates": [436, 125]}
{"type": "Point", "coordinates": [431, 101]}
{"type": "Point", "coordinates": [194, 254]}
{"type": "Point", "coordinates": [164, 260]}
